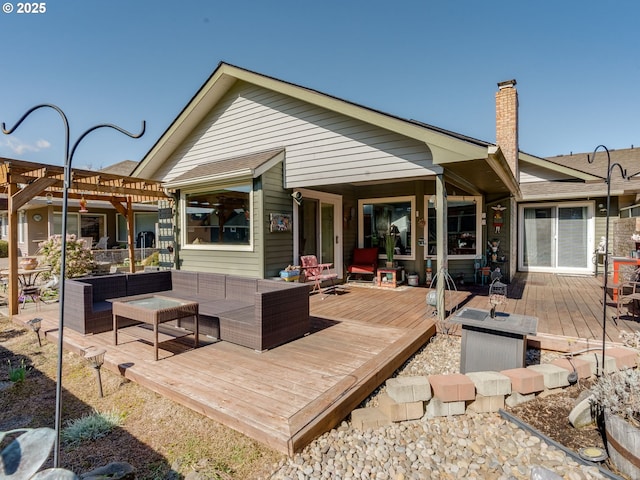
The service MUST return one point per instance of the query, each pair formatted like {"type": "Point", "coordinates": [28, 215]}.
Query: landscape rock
{"type": "Point", "coordinates": [112, 471]}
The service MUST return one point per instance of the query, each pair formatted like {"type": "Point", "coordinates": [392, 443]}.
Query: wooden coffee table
{"type": "Point", "coordinates": [154, 310]}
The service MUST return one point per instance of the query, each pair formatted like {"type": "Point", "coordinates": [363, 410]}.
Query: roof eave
{"type": "Point", "coordinates": [499, 165]}
{"type": "Point", "coordinates": [541, 162]}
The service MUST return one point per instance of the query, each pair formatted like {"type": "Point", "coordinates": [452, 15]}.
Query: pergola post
{"type": "Point", "coordinates": [130, 238]}
{"type": "Point", "coordinates": [13, 249]}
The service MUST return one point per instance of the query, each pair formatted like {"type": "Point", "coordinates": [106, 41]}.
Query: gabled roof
{"type": "Point", "coordinates": [446, 146]}
{"type": "Point", "coordinates": [591, 176]}
{"type": "Point", "coordinates": [121, 168]}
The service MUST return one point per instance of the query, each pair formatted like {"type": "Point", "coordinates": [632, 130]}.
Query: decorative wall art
{"type": "Point", "coordinates": [280, 222]}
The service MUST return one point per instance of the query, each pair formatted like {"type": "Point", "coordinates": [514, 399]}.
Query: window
{"type": "Point", "coordinates": [92, 226]}
{"type": "Point", "coordinates": [379, 215]}
{"type": "Point", "coordinates": [22, 220]}
{"type": "Point", "coordinates": [86, 225]}
{"type": "Point", "coordinates": [463, 230]}
{"type": "Point", "coordinates": [142, 222]}
{"type": "Point", "coordinates": [72, 224]}
{"type": "Point", "coordinates": [217, 218]}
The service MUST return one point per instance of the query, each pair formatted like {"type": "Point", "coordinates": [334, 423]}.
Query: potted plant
{"type": "Point", "coordinates": [616, 406]}
{"type": "Point", "coordinates": [390, 246]}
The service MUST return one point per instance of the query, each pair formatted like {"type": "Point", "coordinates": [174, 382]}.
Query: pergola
{"type": "Point", "coordinates": [23, 181]}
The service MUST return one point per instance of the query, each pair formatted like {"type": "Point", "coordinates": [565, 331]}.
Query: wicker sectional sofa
{"type": "Point", "coordinates": [255, 313]}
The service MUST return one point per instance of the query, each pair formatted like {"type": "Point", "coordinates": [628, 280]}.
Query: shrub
{"type": "Point", "coordinates": [90, 427]}
{"type": "Point", "coordinates": [152, 260]}
{"type": "Point", "coordinates": [4, 249]}
{"type": "Point", "coordinates": [79, 260]}
{"type": "Point", "coordinates": [619, 394]}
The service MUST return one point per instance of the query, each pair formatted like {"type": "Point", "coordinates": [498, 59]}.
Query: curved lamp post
{"type": "Point", "coordinates": [68, 158]}
{"type": "Point", "coordinates": [623, 173]}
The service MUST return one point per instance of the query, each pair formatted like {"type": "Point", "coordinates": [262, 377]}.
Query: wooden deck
{"type": "Point", "coordinates": [287, 396]}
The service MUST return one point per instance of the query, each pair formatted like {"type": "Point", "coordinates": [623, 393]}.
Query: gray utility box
{"type": "Point", "coordinates": [493, 344]}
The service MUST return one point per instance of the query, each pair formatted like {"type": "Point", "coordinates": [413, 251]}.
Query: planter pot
{"type": "Point", "coordinates": [623, 445]}
{"type": "Point", "coordinates": [28, 263]}
{"type": "Point", "coordinates": [389, 264]}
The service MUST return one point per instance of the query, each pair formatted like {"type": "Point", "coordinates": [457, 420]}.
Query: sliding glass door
{"type": "Point", "coordinates": [556, 237]}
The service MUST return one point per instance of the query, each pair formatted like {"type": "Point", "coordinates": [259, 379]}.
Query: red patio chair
{"type": "Point", "coordinates": [318, 272]}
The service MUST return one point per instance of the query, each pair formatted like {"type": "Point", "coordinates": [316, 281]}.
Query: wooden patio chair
{"type": "Point", "coordinates": [317, 272]}
{"type": "Point", "coordinates": [629, 295]}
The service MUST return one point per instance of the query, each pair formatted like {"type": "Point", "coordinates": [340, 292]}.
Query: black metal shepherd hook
{"type": "Point", "coordinates": [68, 158]}
{"type": "Point", "coordinates": [623, 173]}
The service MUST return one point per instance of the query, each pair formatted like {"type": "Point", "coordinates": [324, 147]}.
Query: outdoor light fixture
{"type": "Point", "coordinates": [35, 324]}
{"type": "Point", "coordinates": [83, 206]}
{"type": "Point", "coordinates": [49, 198]}
{"type": "Point", "coordinates": [69, 151]}
{"type": "Point", "coordinates": [95, 357]}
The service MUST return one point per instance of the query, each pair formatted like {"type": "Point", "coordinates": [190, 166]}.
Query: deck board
{"type": "Point", "coordinates": [287, 396]}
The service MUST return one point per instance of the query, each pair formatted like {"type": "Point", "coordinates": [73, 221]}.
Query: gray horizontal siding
{"type": "Point", "coordinates": [322, 146]}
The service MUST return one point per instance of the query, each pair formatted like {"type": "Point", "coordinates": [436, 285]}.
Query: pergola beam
{"type": "Point", "coordinates": [23, 181]}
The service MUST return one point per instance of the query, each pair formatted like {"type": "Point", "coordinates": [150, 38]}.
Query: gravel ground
{"type": "Point", "coordinates": [477, 446]}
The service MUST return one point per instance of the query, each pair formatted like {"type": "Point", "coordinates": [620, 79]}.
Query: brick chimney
{"type": "Point", "coordinates": [507, 123]}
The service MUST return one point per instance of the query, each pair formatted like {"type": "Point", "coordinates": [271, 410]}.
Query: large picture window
{"type": "Point", "coordinates": [463, 228]}
{"type": "Point", "coordinates": [218, 217]}
{"type": "Point", "coordinates": [85, 225]}
{"type": "Point", "coordinates": [379, 216]}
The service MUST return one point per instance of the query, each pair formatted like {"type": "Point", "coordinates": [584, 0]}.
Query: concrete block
{"type": "Point", "coordinates": [625, 357]}
{"type": "Point", "coordinates": [486, 404]}
{"type": "Point", "coordinates": [400, 412]}
{"type": "Point", "coordinates": [366, 418]}
{"type": "Point", "coordinates": [409, 389]}
{"type": "Point", "coordinates": [583, 368]}
{"type": "Point", "coordinates": [454, 387]}
{"type": "Point", "coordinates": [554, 376]}
{"type": "Point", "coordinates": [516, 399]}
{"type": "Point", "coordinates": [490, 383]}
{"type": "Point", "coordinates": [595, 359]}
{"type": "Point", "coordinates": [525, 381]}
{"type": "Point", "coordinates": [438, 408]}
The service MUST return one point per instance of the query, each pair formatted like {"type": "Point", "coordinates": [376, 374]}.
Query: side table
{"type": "Point", "coordinates": [390, 275]}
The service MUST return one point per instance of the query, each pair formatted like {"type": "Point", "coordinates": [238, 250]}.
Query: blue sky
{"type": "Point", "coordinates": [577, 65]}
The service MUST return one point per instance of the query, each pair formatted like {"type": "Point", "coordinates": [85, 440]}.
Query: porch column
{"type": "Point", "coordinates": [441, 245]}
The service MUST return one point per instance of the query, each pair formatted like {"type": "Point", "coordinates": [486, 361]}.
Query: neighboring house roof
{"type": "Point", "coordinates": [121, 168]}
{"type": "Point", "coordinates": [242, 166]}
{"type": "Point", "coordinates": [447, 148]}
{"type": "Point", "coordinates": [589, 179]}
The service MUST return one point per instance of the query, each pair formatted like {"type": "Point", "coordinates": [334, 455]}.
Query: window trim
{"type": "Point", "coordinates": [406, 198]}
{"type": "Point", "coordinates": [213, 246]}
